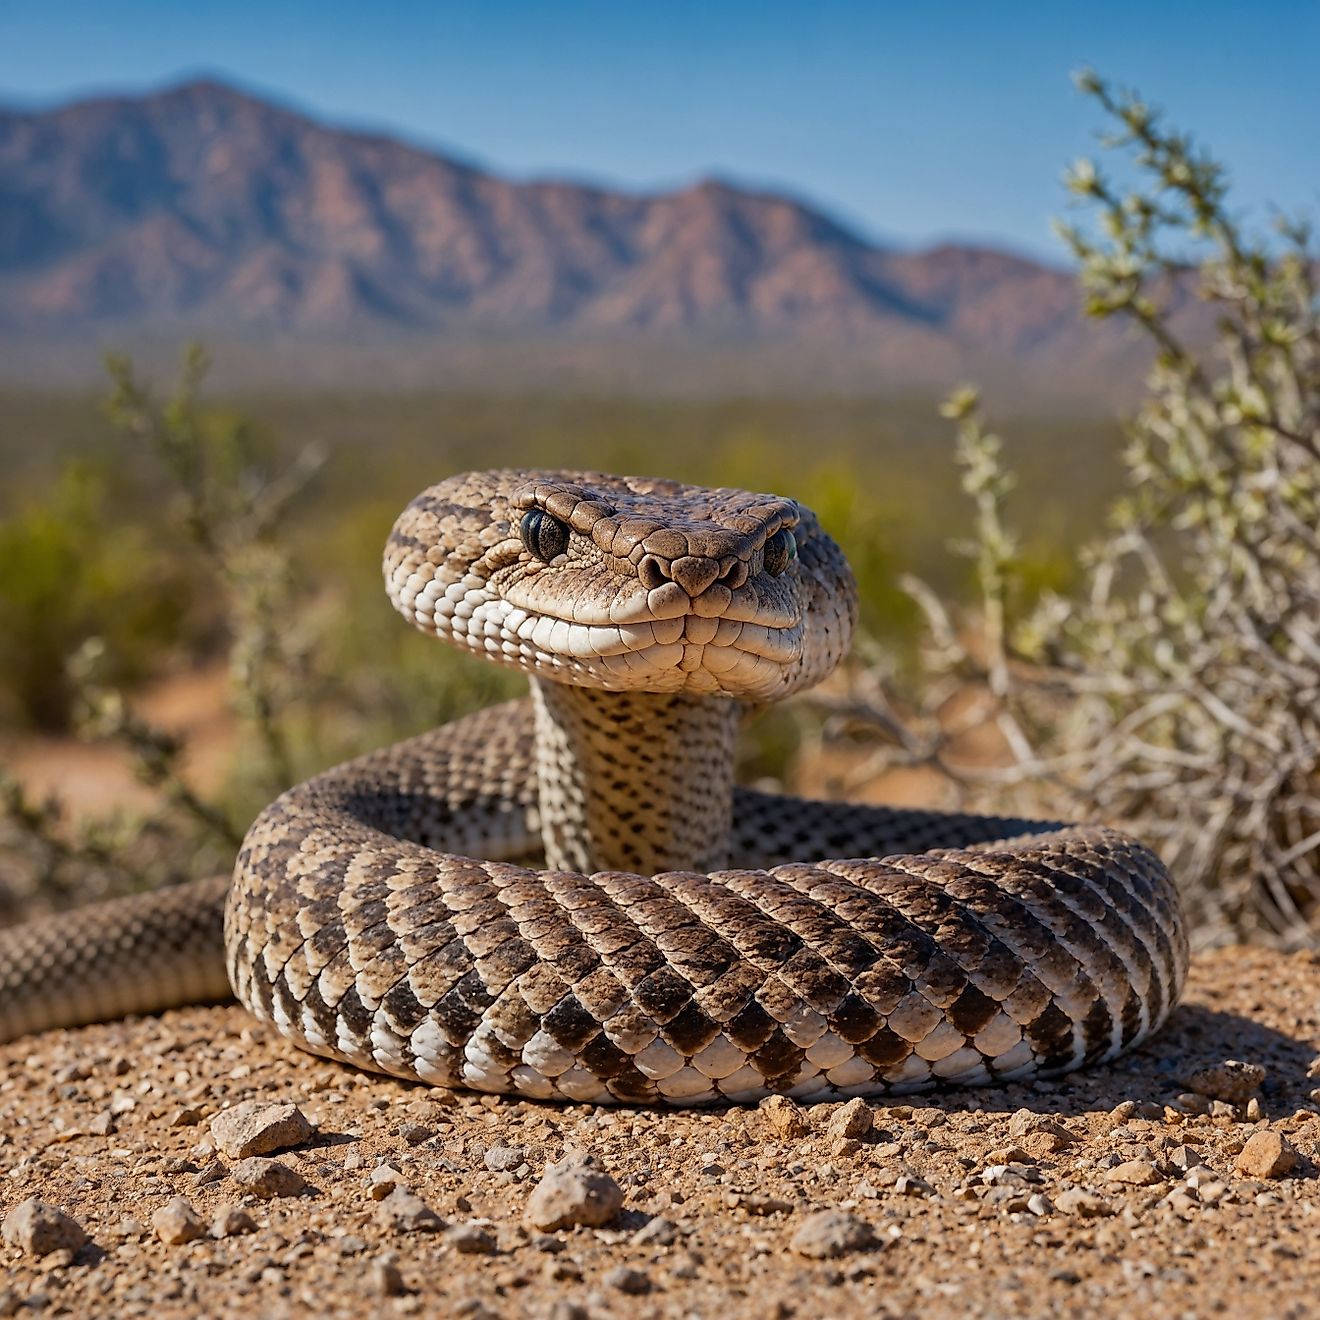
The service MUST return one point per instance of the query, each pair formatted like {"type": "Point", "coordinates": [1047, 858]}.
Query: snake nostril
{"type": "Point", "coordinates": [734, 576]}
{"type": "Point", "coordinates": [652, 572]}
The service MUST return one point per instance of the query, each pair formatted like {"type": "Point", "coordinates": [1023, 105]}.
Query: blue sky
{"type": "Point", "coordinates": [912, 121]}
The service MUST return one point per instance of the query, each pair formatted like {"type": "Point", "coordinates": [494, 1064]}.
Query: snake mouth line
{"type": "Point", "coordinates": [549, 635]}
{"type": "Point", "coordinates": [688, 652]}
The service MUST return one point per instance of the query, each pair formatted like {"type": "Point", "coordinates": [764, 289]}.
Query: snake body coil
{"type": "Point", "coordinates": [569, 898]}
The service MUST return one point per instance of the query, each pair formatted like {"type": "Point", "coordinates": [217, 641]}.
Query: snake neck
{"type": "Point", "coordinates": [634, 781]}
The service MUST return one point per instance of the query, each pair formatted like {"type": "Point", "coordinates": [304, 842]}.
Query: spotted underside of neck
{"type": "Point", "coordinates": [634, 781]}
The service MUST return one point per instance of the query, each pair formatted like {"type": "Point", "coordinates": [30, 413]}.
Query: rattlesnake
{"type": "Point", "coordinates": [568, 898]}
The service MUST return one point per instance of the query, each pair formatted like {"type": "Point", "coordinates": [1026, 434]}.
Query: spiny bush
{"type": "Point", "coordinates": [1179, 690]}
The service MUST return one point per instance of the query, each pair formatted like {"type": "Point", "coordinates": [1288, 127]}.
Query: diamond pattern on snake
{"type": "Point", "coordinates": [569, 897]}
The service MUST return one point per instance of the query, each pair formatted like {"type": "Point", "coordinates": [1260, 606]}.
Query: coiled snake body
{"type": "Point", "coordinates": [569, 898]}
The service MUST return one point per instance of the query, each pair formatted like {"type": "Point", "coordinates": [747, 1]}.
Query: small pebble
{"type": "Point", "coordinates": [1082, 1204]}
{"type": "Point", "coordinates": [850, 1121]}
{"type": "Point", "coordinates": [231, 1222]}
{"type": "Point", "coordinates": [1232, 1081]}
{"type": "Point", "coordinates": [574, 1192]}
{"type": "Point", "coordinates": [504, 1159]}
{"type": "Point", "coordinates": [657, 1232]}
{"type": "Point", "coordinates": [382, 1180]}
{"type": "Point", "coordinates": [1134, 1173]}
{"type": "Point", "coordinates": [258, 1128]}
{"type": "Point", "coordinates": [385, 1278]}
{"type": "Point", "coordinates": [39, 1229]}
{"type": "Point", "coordinates": [177, 1222]}
{"type": "Point", "coordinates": [266, 1178]}
{"type": "Point", "coordinates": [406, 1212]}
{"type": "Point", "coordinates": [635, 1283]}
{"type": "Point", "coordinates": [471, 1239]}
{"type": "Point", "coordinates": [1267, 1154]}
{"type": "Point", "coordinates": [783, 1118]}
{"type": "Point", "coordinates": [827, 1234]}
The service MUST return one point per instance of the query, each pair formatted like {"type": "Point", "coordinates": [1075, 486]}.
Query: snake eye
{"type": "Point", "coordinates": [544, 536]}
{"type": "Point", "coordinates": [780, 551]}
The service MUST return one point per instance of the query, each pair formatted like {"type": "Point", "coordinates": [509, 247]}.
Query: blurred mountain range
{"type": "Point", "coordinates": [204, 210]}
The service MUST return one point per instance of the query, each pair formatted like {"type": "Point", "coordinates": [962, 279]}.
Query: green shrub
{"type": "Point", "coordinates": [68, 572]}
{"type": "Point", "coordinates": [1178, 689]}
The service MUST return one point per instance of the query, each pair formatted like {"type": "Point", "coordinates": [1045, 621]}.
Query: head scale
{"type": "Point", "coordinates": [625, 583]}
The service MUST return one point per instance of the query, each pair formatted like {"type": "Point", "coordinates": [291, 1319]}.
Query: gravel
{"type": "Point", "coordinates": [1001, 1201]}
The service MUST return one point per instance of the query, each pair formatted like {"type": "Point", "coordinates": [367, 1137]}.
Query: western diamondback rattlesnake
{"type": "Point", "coordinates": [387, 911]}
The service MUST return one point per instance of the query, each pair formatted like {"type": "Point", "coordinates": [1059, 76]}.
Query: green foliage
{"type": "Point", "coordinates": [70, 571]}
{"type": "Point", "coordinates": [1179, 688]}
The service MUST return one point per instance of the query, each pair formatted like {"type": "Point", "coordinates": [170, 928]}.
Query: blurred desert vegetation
{"type": "Point", "coordinates": [1132, 632]}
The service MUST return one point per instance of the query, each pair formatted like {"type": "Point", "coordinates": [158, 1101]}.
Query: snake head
{"type": "Point", "coordinates": [625, 583]}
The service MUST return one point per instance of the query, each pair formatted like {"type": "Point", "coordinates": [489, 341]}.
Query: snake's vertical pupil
{"type": "Point", "coordinates": [543, 535]}
{"type": "Point", "coordinates": [780, 551]}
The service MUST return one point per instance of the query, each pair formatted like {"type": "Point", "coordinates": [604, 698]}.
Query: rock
{"type": "Point", "coordinates": [635, 1283]}
{"type": "Point", "coordinates": [656, 1232]}
{"type": "Point", "coordinates": [385, 1278]}
{"type": "Point", "coordinates": [783, 1117]}
{"type": "Point", "coordinates": [850, 1121]}
{"type": "Point", "coordinates": [907, 1184]}
{"type": "Point", "coordinates": [1038, 1204]}
{"type": "Point", "coordinates": [232, 1221]}
{"type": "Point", "coordinates": [177, 1222]}
{"type": "Point", "coordinates": [405, 1212]}
{"type": "Point", "coordinates": [103, 1125]}
{"type": "Point", "coordinates": [755, 1204]}
{"type": "Point", "coordinates": [266, 1178]}
{"type": "Point", "coordinates": [1183, 1158]}
{"type": "Point", "coordinates": [257, 1128]}
{"type": "Point", "coordinates": [1040, 1145]}
{"type": "Point", "coordinates": [1010, 1175]}
{"type": "Point", "coordinates": [415, 1134]}
{"type": "Point", "coordinates": [504, 1159]}
{"type": "Point", "coordinates": [1267, 1154]}
{"type": "Point", "coordinates": [38, 1228]}
{"type": "Point", "coordinates": [1232, 1081]}
{"type": "Point", "coordinates": [1082, 1204]}
{"type": "Point", "coordinates": [1008, 1155]}
{"type": "Point", "coordinates": [471, 1239]}
{"type": "Point", "coordinates": [1025, 1123]}
{"type": "Point", "coordinates": [382, 1180]}
{"type": "Point", "coordinates": [827, 1234]}
{"type": "Point", "coordinates": [213, 1172]}
{"type": "Point", "coordinates": [566, 1310]}
{"type": "Point", "coordinates": [574, 1192]}
{"type": "Point", "coordinates": [1134, 1173]}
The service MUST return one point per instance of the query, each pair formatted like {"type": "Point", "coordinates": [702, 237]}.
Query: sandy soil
{"type": "Point", "coordinates": [91, 778]}
{"type": "Point", "coordinates": [1068, 1198]}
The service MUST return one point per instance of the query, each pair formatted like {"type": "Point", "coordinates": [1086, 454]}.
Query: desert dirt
{"type": "Point", "coordinates": [1104, 1193]}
